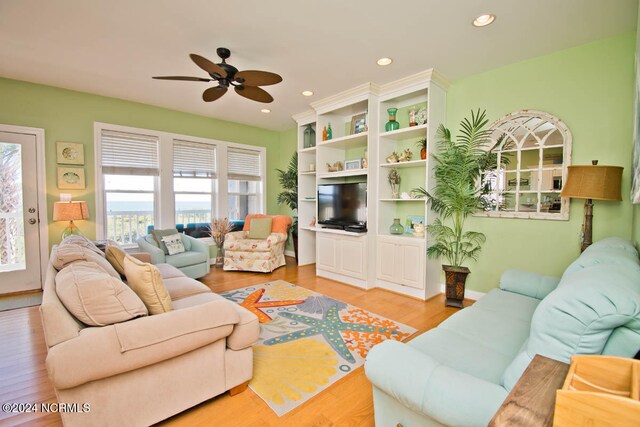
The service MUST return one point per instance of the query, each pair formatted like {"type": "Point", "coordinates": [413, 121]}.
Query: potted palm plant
{"type": "Point", "coordinates": [288, 179]}
{"type": "Point", "coordinates": [455, 195]}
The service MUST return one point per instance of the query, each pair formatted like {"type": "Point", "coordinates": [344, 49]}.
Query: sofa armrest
{"type": "Point", "coordinates": [235, 235]}
{"type": "Point", "coordinates": [246, 332]}
{"type": "Point", "coordinates": [197, 245]}
{"type": "Point", "coordinates": [425, 386]}
{"type": "Point", "coordinates": [111, 350]}
{"type": "Point", "coordinates": [529, 284]}
{"type": "Point", "coordinates": [275, 238]}
{"type": "Point", "coordinates": [157, 254]}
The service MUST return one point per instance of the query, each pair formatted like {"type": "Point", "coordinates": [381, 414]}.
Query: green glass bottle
{"type": "Point", "coordinates": [329, 132]}
{"type": "Point", "coordinates": [392, 124]}
{"type": "Point", "coordinates": [396, 227]}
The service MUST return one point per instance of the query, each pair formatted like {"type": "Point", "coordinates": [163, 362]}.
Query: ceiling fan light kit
{"type": "Point", "coordinates": [245, 83]}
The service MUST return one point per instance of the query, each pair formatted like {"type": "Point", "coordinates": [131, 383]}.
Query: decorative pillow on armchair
{"type": "Point", "coordinates": [159, 234]}
{"type": "Point", "coordinates": [174, 244]}
{"type": "Point", "coordinates": [260, 228]}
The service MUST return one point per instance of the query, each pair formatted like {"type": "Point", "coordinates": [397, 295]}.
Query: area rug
{"type": "Point", "coordinates": [308, 341]}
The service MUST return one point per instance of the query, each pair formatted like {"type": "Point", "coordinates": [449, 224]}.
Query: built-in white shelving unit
{"type": "Point", "coordinates": [376, 258]}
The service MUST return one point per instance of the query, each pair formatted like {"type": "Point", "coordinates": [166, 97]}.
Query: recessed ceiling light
{"type": "Point", "coordinates": [307, 93]}
{"type": "Point", "coordinates": [265, 110]}
{"type": "Point", "coordinates": [484, 20]}
{"type": "Point", "coordinates": [384, 61]}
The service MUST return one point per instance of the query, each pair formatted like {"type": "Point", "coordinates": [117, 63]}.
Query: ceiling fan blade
{"type": "Point", "coordinates": [254, 93]}
{"type": "Point", "coordinates": [207, 65]}
{"type": "Point", "coordinates": [213, 93]}
{"type": "Point", "coordinates": [257, 78]}
{"type": "Point", "coordinates": [190, 79]}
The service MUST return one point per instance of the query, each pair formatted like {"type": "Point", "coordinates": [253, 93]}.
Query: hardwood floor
{"type": "Point", "coordinates": [23, 376]}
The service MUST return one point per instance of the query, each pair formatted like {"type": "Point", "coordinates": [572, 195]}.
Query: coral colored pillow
{"type": "Point", "coordinates": [280, 223]}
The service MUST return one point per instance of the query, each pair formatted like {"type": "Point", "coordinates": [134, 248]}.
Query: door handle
{"type": "Point", "coordinates": [32, 221]}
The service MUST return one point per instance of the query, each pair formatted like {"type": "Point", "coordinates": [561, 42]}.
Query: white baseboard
{"type": "Point", "coordinates": [468, 293]}
{"type": "Point", "coordinates": [289, 253]}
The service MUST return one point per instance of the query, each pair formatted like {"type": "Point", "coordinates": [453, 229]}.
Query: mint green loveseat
{"type": "Point", "coordinates": [460, 372]}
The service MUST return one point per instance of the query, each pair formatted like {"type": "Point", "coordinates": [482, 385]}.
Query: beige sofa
{"type": "Point", "coordinates": [142, 371]}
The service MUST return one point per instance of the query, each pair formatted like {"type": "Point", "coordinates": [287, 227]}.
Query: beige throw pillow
{"type": "Point", "coordinates": [70, 253]}
{"type": "Point", "coordinates": [115, 255]}
{"type": "Point", "coordinates": [94, 297]}
{"type": "Point", "coordinates": [146, 281]}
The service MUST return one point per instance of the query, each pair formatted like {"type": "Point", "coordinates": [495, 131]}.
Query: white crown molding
{"type": "Point", "coordinates": [305, 117]}
{"type": "Point", "coordinates": [347, 97]}
{"type": "Point", "coordinates": [412, 83]}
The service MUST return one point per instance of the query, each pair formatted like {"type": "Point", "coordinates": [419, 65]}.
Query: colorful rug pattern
{"type": "Point", "coordinates": [307, 341]}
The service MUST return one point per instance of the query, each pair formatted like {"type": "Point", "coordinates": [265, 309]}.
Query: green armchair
{"type": "Point", "coordinates": [194, 262]}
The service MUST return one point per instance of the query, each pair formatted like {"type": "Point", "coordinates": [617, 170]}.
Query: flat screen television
{"type": "Point", "coordinates": [342, 205]}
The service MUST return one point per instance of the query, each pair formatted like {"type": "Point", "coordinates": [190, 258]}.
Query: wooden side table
{"type": "Point", "coordinates": [532, 400]}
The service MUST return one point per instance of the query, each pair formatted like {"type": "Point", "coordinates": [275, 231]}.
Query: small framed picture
{"type": "Point", "coordinates": [358, 123]}
{"type": "Point", "coordinates": [412, 220]}
{"type": "Point", "coordinates": [353, 164]}
{"type": "Point", "coordinates": [69, 153]}
{"type": "Point", "coordinates": [71, 178]}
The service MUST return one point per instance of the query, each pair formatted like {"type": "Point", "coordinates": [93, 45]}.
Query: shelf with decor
{"type": "Point", "coordinates": [410, 164]}
{"type": "Point", "coordinates": [347, 141]}
{"type": "Point", "coordinates": [343, 173]}
{"type": "Point", "coordinates": [307, 208]}
{"type": "Point", "coordinates": [409, 112]}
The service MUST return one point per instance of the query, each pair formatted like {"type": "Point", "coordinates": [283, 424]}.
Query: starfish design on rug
{"type": "Point", "coordinates": [253, 304]}
{"type": "Point", "coordinates": [329, 326]}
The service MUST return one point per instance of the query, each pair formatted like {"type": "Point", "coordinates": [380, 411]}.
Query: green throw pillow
{"type": "Point", "coordinates": [159, 234]}
{"type": "Point", "coordinates": [260, 228]}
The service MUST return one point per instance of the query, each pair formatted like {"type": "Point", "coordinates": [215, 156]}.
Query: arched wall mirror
{"type": "Point", "coordinates": [526, 166]}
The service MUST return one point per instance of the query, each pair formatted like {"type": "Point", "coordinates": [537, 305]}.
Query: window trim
{"type": "Point", "coordinates": [164, 205]}
{"type": "Point", "coordinates": [563, 215]}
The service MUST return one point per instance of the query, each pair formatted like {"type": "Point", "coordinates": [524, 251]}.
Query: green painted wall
{"type": "Point", "coordinates": [636, 208]}
{"type": "Point", "coordinates": [591, 89]}
{"type": "Point", "coordinates": [67, 115]}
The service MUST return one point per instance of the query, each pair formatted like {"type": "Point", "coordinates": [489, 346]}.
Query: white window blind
{"type": "Point", "coordinates": [243, 165]}
{"type": "Point", "coordinates": [194, 159]}
{"type": "Point", "coordinates": [125, 153]}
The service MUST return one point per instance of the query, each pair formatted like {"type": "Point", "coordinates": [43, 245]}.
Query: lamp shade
{"type": "Point", "coordinates": [70, 211]}
{"type": "Point", "coordinates": [593, 182]}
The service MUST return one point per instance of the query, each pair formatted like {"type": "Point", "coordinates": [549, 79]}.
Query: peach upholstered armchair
{"type": "Point", "coordinates": [262, 255]}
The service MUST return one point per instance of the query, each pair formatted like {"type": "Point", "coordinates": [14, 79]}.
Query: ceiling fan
{"type": "Point", "coordinates": [245, 83]}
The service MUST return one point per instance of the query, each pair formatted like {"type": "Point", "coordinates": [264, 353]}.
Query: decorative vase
{"type": "Point", "coordinates": [392, 124]}
{"type": "Point", "coordinates": [329, 132]}
{"type": "Point", "coordinates": [220, 257]}
{"type": "Point", "coordinates": [423, 154]}
{"type": "Point", "coordinates": [396, 227]}
{"type": "Point", "coordinates": [309, 137]}
{"type": "Point", "coordinates": [455, 278]}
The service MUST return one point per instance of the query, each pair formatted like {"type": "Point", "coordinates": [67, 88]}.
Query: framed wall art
{"type": "Point", "coordinates": [71, 178]}
{"type": "Point", "coordinates": [69, 153]}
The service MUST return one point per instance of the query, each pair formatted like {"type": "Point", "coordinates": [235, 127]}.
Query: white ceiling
{"type": "Point", "coordinates": [113, 47]}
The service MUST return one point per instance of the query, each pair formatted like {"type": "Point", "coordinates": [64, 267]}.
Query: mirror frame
{"type": "Point", "coordinates": [503, 124]}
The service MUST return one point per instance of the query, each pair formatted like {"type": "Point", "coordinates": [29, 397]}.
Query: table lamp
{"type": "Point", "coordinates": [592, 182]}
{"type": "Point", "coordinates": [70, 211]}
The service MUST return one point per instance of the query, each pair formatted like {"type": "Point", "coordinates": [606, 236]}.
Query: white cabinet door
{"type": "Point", "coordinates": [385, 260]}
{"type": "Point", "coordinates": [327, 252]}
{"type": "Point", "coordinates": [412, 265]}
{"type": "Point", "coordinates": [352, 257]}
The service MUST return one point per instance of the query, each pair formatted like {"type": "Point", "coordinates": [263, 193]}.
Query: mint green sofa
{"type": "Point", "coordinates": [459, 373]}
{"type": "Point", "coordinates": [193, 263]}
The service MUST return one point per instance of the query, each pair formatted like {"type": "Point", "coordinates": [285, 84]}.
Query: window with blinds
{"type": "Point", "coordinates": [244, 184]}
{"type": "Point", "coordinates": [125, 153]}
{"type": "Point", "coordinates": [194, 159]}
{"type": "Point", "coordinates": [194, 171]}
{"type": "Point", "coordinates": [243, 165]}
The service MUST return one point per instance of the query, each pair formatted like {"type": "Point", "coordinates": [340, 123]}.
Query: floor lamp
{"type": "Point", "coordinates": [592, 182]}
{"type": "Point", "coordinates": [70, 211]}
